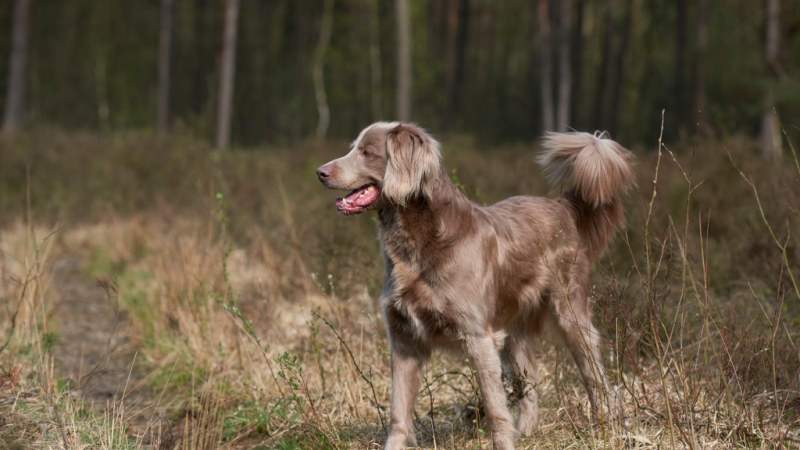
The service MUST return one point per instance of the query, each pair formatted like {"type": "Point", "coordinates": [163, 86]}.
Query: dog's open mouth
{"type": "Point", "coordinates": [360, 200]}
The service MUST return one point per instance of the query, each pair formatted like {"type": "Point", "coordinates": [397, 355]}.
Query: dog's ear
{"type": "Point", "coordinates": [412, 166]}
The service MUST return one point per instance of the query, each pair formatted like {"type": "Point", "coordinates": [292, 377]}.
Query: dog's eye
{"type": "Point", "coordinates": [366, 152]}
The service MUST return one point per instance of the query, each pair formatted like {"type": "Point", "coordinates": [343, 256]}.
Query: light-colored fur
{"type": "Point", "coordinates": [600, 168]}
{"type": "Point", "coordinates": [412, 166]}
{"type": "Point", "coordinates": [483, 281]}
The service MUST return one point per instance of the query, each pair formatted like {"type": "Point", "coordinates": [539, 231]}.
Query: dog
{"type": "Point", "coordinates": [484, 281]}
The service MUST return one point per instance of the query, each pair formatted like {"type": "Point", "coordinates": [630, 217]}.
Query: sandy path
{"type": "Point", "coordinates": [93, 350]}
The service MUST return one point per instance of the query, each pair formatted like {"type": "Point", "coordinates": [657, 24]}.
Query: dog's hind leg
{"type": "Point", "coordinates": [521, 361]}
{"type": "Point", "coordinates": [485, 359]}
{"type": "Point", "coordinates": [582, 339]}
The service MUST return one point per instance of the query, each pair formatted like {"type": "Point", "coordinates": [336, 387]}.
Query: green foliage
{"type": "Point", "coordinates": [248, 414]}
{"type": "Point", "coordinates": [291, 372]}
{"type": "Point", "coordinates": [48, 340]}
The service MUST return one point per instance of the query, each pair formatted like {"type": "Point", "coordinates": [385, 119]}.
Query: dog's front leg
{"type": "Point", "coordinates": [406, 366]}
{"type": "Point", "coordinates": [485, 358]}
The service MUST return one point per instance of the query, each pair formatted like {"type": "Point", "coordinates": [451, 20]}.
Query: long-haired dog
{"type": "Point", "coordinates": [484, 280]}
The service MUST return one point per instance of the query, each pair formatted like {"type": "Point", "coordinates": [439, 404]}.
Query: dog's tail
{"type": "Point", "coordinates": [601, 171]}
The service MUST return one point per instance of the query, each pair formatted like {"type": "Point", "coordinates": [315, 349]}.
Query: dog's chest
{"type": "Point", "coordinates": [423, 319]}
{"type": "Point", "coordinates": [416, 257]}
{"type": "Point", "coordinates": [415, 242]}
{"type": "Point", "coordinates": [419, 307]}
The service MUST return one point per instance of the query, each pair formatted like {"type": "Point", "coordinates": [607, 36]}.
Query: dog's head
{"type": "Point", "coordinates": [389, 162]}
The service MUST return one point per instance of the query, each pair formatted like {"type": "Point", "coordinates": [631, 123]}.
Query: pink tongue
{"type": "Point", "coordinates": [366, 199]}
{"type": "Point", "coordinates": [360, 198]}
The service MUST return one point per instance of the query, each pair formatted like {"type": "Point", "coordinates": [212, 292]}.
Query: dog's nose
{"type": "Point", "coordinates": [324, 173]}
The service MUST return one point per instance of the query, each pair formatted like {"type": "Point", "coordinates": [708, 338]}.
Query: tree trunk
{"type": "Point", "coordinates": [17, 68]}
{"type": "Point", "coordinates": [101, 87]}
{"type": "Point", "coordinates": [450, 54]}
{"type": "Point", "coordinates": [403, 61]}
{"type": "Point", "coordinates": [602, 81]}
{"type": "Point", "coordinates": [461, 45]}
{"type": "Point", "coordinates": [455, 49]}
{"type": "Point", "coordinates": [227, 73]}
{"type": "Point", "coordinates": [375, 61]}
{"type": "Point", "coordinates": [564, 69]}
{"type": "Point", "coordinates": [623, 49]}
{"type": "Point", "coordinates": [547, 67]}
{"type": "Point", "coordinates": [700, 66]}
{"type": "Point", "coordinates": [298, 33]}
{"type": "Point", "coordinates": [326, 27]}
{"type": "Point", "coordinates": [436, 10]}
{"type": "Point", "coordinates": [203, 100]}
{"type": "Point", "coordinates": [680, 62]}
{"type": "Point", "coordinates": [164, 64]}
{"type": "Point", "coordinates": [770, 134]}
{"type": "Point", "coordinates": [577, 65]}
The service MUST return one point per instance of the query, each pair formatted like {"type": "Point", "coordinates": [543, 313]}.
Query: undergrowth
{"type": "Point", "coordinates": [254, 309]}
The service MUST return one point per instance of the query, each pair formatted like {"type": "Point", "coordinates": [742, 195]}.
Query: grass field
{"type": "Point", "coordinates": [159, 294]}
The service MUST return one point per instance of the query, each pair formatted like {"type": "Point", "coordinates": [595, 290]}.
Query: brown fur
{"type": "Point", "coordinates": [484, 280]}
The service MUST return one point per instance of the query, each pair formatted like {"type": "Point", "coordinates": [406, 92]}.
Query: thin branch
{"type": "Point", "coordinates": [358, 369]}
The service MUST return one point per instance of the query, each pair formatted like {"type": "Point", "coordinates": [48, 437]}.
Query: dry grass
{"type": "Point", "coordinates": [38, 412]}
{"type": "Point", "coordinates": [255, 312]}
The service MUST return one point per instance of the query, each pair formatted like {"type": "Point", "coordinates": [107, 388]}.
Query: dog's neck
{"type": "Point", "coordinates": [424, 231]}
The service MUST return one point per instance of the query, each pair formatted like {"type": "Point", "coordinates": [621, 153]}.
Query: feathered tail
{"type": "Point", "coordinates": [601, 171]}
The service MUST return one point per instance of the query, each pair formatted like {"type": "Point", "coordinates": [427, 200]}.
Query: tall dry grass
{"type": "Point", "coordinates": [38, 409]}
{"type": "Point", "coordinates": [237, 274]}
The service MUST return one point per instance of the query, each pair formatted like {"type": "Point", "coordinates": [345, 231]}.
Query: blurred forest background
{"type": "Point", "coordinates": [284, 70]}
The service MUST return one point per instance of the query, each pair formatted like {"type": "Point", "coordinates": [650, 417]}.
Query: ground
{"type": "Point", "coordinates": [94, 351]}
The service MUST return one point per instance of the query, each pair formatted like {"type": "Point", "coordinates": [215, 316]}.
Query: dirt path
{"type": "Point", "coordinates": [93, 350]}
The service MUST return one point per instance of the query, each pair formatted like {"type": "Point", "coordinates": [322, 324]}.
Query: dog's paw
{"type": "Point", "coordinates": [400, 441]}
{"type": "Point", "coordinates": [528, 420]}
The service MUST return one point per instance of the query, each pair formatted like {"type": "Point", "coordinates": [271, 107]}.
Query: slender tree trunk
{"type": "Point", "coordinates": [164, 64]}
{"type": "Point", "coordinates": [700, 66]}
{"type": "Point", "coordinates": [534, 87]}
{"type": "Point", "coordinates": [461, 46]}
{"type": "Point", "coordinates": [450, 56]}
{"type": "Point", "coordinates": [770, 134]}
{"type": "Point", "coordinates": [202, 100]}
{"type": "Point", "coordinates": [299, 34]}
{"type": "Point", "coordinates": [564, 69]}
{"type": "Point", "coordinates": [227, 73]}
{"type": "Point", "coordinates": [17, 68]}
{"type": "Point", "coordinates": [455, 49]}
{"type": "Point", "coordinates": [101, 87]}
{"type": "Point", "coordinates": [547, 67]}
{"type": "Point", "coordinates": [375, 61]}
{"type": "Point", "coordinates": [326, 27]}
{"type": "Point", "coordinates": [436, 10]}
{"type": "Point", "coordinates": [577, 62]}
{"type": "Point", "coordinates": [680, 61]}
{"type": "Point", "coordinates": [600, 109]}
{"type": "Point", "coordinates": [620, 75]}
{"type": "Point", "coordinates": [403, 61]}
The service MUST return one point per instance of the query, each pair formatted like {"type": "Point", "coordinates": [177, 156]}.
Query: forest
{"type": "Point", "coordinates": [174, 276]}
{"type": "Point", "coordinates": [499, 70]}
